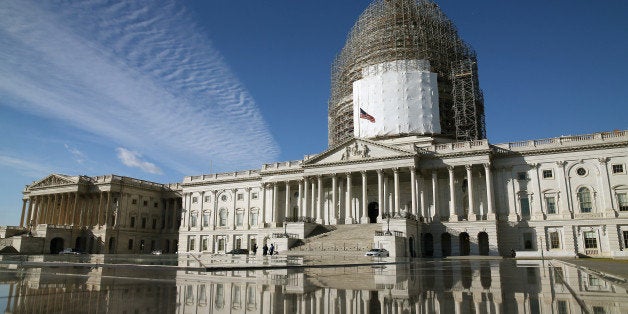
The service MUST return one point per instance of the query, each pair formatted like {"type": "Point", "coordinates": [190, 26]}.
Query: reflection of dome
{"type": "Point", "coordinates": [390, 30]}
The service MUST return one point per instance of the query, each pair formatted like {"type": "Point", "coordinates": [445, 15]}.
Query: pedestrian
{"type": "Point", "coordinates": [265, 249]}
{"type": "Point", "coordinates": [254, 249]}
{"type": "Point", "coordinates": [272, 249]}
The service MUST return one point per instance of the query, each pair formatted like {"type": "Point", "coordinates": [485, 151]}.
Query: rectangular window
{"type": "Point", "coordinates": [194, 199]}
{"type": "Point", "coordinates": [618, 168]}
{"type": "Point", "coordinates": [590, 240]}
{"type": "Point", "coordinates": [133, 201]}
{"type": "Point", "coordinates": [599, 310]}
{"type": "Point", "coordinates": [521, 176]}
{"type": "Point", "coordinates": [143, 222]}
{"type": "Point", "coordinates": [625, 233]}
{"type": "Point", "coordinates": [193, 220]}
{"type": "Point", "coordinates": [554, 240]}
{"type": "Point", "coordinates": [550, 201]}
{"type": "Point", "coordinates": [558, 274]}
{"type": "Point", "coordinates": [206, 219]}
{"type": "Point", "coordinates": [130, 247]}
{"type": "Point", "coordinates": [561, 307]}
{"type": "Point", "coordinates": [239, 216]}
{"type": "Point", "coordinates": [622, 201]}
{"type": "Point", "coordinates": [548, 174]}
{"type": "Point", "coordinates": [132, 222]}
{"type": "Point", "coordinates": [240, 196]}
{"type": "Point", "coordinates": [206, 199]}
{"type": "Point", "coordinates": [191, 243]}
{"type": "Point", "coordinates": [221, 244]}
{"type": "Point", "coordinates": [154, 223]}
{"type": "Point", "coordinates": [594, 281]}
{"type": "Point", "coordinates": [204, 243]}
{"type": "Point", "coordinates": [254, 218]}
{"type": "Point", "coordinates": [145, 203]}
{"type": "Point", "coordinates": [528, 243]}
{"type": "Point", "coordinates": [254, 195]}
{"type": "Point", "coordinates": [156, 204]}
{"type": "Point", "coordinates": [525, 207]}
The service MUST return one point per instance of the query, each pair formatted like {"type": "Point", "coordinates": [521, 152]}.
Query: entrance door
{"type": "Point", "coordinates": [465, 247]}
{"type": "Point", "coordinates": [483, 243]}
{"type": "Point", "coordinates": [56, 245]}
{"type": "Point", "coordinates": [445, 242]}
{"type": "Point", "coordinates": [373, 212]}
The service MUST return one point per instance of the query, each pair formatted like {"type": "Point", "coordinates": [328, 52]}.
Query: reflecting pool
{"type": "Point", "coordinates": [172, 284]}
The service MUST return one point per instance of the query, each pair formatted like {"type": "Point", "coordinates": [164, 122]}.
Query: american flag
{"type": "Point", "coordinates": [364, 115]}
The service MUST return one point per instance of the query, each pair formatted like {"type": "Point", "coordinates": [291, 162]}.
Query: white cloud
{"type": "Point", "coordinates": [134, 159]}
{"type": "Point", "coordinates": [138, 73]}
{"type": "Point", "coordinates": [25, 167]}
{"type": "Point", "coordinates": [78, 155]}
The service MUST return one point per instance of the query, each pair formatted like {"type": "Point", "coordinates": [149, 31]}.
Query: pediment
{"type": "Point", "coordinates": [53, 180]}
{"type": "Point", "coordinates": [356, 150]}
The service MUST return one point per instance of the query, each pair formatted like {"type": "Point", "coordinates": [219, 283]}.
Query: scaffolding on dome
{"type": "Point", "coordinates": [390, 30]}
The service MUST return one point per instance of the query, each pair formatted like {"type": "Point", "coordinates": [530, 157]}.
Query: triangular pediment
{"type": "Point", "coordinates": [357, 150]}
{"type": "Point", "coordinates": [53, 180]}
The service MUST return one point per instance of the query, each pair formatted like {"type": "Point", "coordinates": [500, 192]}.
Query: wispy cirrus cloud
{"type": "Point", "coordinates": [78, 155]}
{"type": "Point", "coordinates": [25, 167]}
{"type": "Point", "coordinates": [134, 159]}
{"type": "Point", "coordinates": [139, 73]}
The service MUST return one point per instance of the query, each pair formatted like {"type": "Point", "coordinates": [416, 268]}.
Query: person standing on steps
{"type": "Point", "coordinates": [254, 249]}
{"type": "Point", "coordinates": [272, 249]}
{"type": "Point", "coordinates": [265, 250]}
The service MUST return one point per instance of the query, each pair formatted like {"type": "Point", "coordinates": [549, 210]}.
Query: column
{"type": "Point", "coordinates": [413, 191]}
{"type": "Point", "coordinates": [63, 209]}
{"type": "Point", "coordinates": [36, 210]}
{"type": "Point", "coordinates": [607, 194]}
{"type": "Point", "coordinates": [287, 207]}
{"type": "Point", "coordinates": [490, 215]}
{"type": "Point", "coordinates": [261, 220]}
{"type": "Point", "coordinates": [319, 199]}
{"type": "Point", "coordinates": [334, 200]}
{"type": "Point", "coordinates": [420, 184]}
{"type": "Point", "coordinates": [73, 220]}
{"type": "Point", "coordinates": [472, 216]}
{"type": "Point", "coordinates": [348, 209]}
{"type": "Point", "coordinates": [536, 201]}
{"type": "Point", "coordinates": [30, 211]}
{"type": "Point", "coordinates": [247, 210]}
{"type": "Point", "coordinates": [275, 211]}
{"type": "Point", "coordinates": [234, 193]}
{"type": "Point", "coordinates": [365, 218]}
{"type": "Point", "coordinates": [396, 208]}
{"type": "Point", "coordinates": [214, 209]}
{"type": "Point", "coordinates": [312, 205]}
{"type": "Point", "coordinates": [22, 217]}
{"type": "Point", "coordinates": [380, 195]}
{"type": "Point", "coordinates": [304, 196]}
{"type": "Point", "coordinates": [100, 199]}
{"type": "Point", "coordinates": [452, 195]}
{"type": "Point", "coordinates": [105, 215]}
{"type": "Point", "coordinates": [436, 213]}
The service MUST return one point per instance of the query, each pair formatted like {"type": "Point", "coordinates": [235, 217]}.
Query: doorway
{"type": "Point", "coordinates": [465, 246]}
{"type": "Point", "coordinates": [483, 243]}
{"type": "Point", "coordinates": [56, 245]}
{"type": "Point", "coordinates": [373, 209]}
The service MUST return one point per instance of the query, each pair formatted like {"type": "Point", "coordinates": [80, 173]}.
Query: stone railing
{"type": "Point", "coordinates": [222, 176]}
{"type": "Point", "coordinates": [565, 141]}
{"type": "Point", "coordinates": [385, 233]}
{"type": "Point", "coordinates": [285, 235]}
{"type": "Point", "coordinates": [286, 165]}
{"type": "Point", "coordinates": [458, 147]}
{"type": "Point", "coordinates": [300, 219]}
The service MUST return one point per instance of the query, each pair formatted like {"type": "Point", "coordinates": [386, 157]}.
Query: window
{"type": "Point", "coordinates": [618, 168]}
{"type": "Point", "coordinates": [221, 244]}
{"type": "Point", "coordinates": [145, 203]}
{"type": "Point", "coordinates": [584, 198]}
{"type": "Point", "coordinates": [625, 233]}
{"type": "Point", "coordinates": [521, 176]}
{"type": "Point", "coordinates": [222, 218]}
{"type": "Point", "coordinates": [143, 222]}
{"type": "Point", "coordinates": [193, 219]}
{"type": "Point", "coordinates": [581, 171]}
{"type": "Point", "coordinates": [240, 196]}
{"type": "Point", "coordinates": [562, 308]}
{"type": "Point", "coordinates": [254, 195]}
{"type": "Point", "coordinates": [550, 201]}
{"type": "Point", "coordinates": [194, 199]}
{"type": "Point", "coordinates": [622, 201]}
{"type": "Point", "coordinates": [204, 243]}
{"type": "Point", "coordinates": [205, 219]}
{"type": "Point", "coordinates": [594, 281]}
{"type": "Point", "coordinates": [130, 247]}
{"type": "Point", "coordinates": [525, 207]}
{"type": "Point", "coordinates": [132, 222]}
{"type": "Point", "coordinates": [548, 174]}
{"type": "Point", "coordinates": [207, 199]}
{"type": "Point", "coordinates": [590, 241]}
{"type": "Point", "coordinates": [133, 201]}
{"type": "Point", "coordinates": [554, 238]}
{"type": "Point", "coordinates": [527, 241]}
{"type": "Point", "coordinates": [599, 310]}
{"type": "Point", "coordinates": [239, 218]}
{"type": "Point", "coordinates": [191, 243]}
{"type": "Point", "coordinates": [154, 223]}
{"type": "Point", "coordinates": [254, 218]}
{"type": "Point", "coordinates": [156, 204]}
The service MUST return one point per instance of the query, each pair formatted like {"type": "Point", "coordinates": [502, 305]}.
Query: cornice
{"type": "Point", "coordinates": [561, 149]}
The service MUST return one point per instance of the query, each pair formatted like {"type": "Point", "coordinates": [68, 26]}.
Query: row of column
{"type": "Point", "coordinates": [65, 209]}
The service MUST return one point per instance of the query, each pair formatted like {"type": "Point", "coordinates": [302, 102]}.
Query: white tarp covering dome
{"type": "Point", "coordinates": [401, 96]}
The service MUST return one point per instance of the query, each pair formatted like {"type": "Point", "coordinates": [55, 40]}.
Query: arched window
{"type": "Point", "coordinates": [206, 215]}
{"type": "Point", "coordinates": [193, 218]}
{"type": "Point", "coordinates": [254, 217]}
{"type": "Point", "coordinates": [222, 217]}
{"type": "Point", "coordinates": [239, 217]}
{"type": "Point", "coordinates": [584, 198]}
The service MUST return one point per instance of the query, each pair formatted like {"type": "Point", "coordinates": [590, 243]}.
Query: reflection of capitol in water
{"type": "Point", "coordinates": [424, 287]}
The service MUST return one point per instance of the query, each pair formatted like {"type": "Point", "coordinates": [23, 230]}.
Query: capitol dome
{"type": "Point", "coordinates": [389, 31]}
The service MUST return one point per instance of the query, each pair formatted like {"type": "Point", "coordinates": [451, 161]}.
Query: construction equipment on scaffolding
{"type": "Point", "coordinates": [391, 30]}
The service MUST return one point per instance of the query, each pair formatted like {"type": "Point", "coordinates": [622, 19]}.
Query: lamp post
{"type": "Point", "coordinates": [388, 223]}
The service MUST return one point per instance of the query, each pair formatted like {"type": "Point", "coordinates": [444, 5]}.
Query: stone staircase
{"type": "Point", "coordinates": [345, 238]}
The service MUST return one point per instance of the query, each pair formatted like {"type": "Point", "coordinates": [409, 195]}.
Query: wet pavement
{"type": "Point", "coordinates": [312, 284]}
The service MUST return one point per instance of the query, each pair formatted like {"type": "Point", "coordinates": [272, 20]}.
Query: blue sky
{"type": "Point", "coordinates": [162, 89]}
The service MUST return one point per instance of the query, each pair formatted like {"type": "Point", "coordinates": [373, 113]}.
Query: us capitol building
{"type": "Point", "coordinates": [408, 168]}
